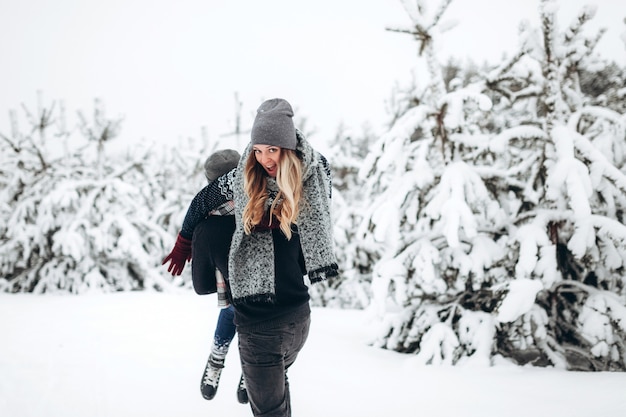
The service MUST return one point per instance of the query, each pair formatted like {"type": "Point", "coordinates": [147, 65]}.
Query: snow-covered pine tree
{"type": "Point", "coordinates": [81, 219]}
{"type": "Point", "coordinates": [570, 225]}
{"type": "Point", "coordinates": [431, 213]}
{"type": "Point", "coordinates": [351, 289]}
{"type": "Point", "coordinates": [501, 229]}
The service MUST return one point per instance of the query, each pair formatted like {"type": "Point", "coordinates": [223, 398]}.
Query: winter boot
{"type": "Point", "coordinates": [213, 369]}
{"type": "Point", "coordinates": [242, 392]}
{"type": "Point", "coordinates": [211, 377]}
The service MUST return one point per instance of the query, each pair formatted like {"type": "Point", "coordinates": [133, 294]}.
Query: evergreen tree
{"type": "Point", "coordinates": [499, 204]}
{"type": "Point", "coordinates": [76, 218]}
{"type": "Point", "coordinates": [351, 289]}
{"type": "Point", "coordinates": [605, 86]}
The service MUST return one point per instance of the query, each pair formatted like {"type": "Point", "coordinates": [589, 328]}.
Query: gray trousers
{"type": "Point", "coordinates": [266, 352]}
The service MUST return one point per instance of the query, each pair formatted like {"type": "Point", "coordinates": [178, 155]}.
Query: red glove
{"type": "Point", "coordinates": [178, 256]}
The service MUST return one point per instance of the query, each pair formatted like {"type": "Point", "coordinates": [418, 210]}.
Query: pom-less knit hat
{"type": "Point", "coordinates": [273, 125]}
{"type": "Point", "coordinates": [220, 162]}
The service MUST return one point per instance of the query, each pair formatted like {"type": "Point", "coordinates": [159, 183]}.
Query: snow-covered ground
{"type": "Point", "coordinates": [142, 354]}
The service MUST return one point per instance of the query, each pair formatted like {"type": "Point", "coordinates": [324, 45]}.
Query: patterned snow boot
{"type": "Point", "coordinates": [211, 377]}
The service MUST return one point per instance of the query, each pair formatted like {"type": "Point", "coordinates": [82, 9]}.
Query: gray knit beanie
{"type": "Point", "coordinates": [220, 162]}
{"type": "Point", "coordinates": [273, 124]}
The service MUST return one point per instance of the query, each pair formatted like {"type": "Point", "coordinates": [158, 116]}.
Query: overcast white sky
{"type": "Point", "coordinates": [171, 67]}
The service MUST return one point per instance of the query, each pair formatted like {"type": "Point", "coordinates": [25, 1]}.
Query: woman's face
{"type": "Point", "coordinates": [268, 156]}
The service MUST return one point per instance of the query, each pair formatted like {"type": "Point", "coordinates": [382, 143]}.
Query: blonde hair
{"type": "Point", "coordinates": [286, 205]}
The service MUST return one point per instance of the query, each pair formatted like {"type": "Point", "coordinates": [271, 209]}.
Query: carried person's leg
{"type": "Point", "coordinates": [224, 334]}
{"type": "Point", "coordinates": [225, 329]}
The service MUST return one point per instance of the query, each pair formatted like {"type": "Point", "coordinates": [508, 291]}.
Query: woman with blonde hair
{"type": "Point", "coordinates": [281, 190]}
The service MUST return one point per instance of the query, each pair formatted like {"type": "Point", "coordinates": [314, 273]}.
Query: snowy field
{"type": "Point", "coordinates": [142, 354]}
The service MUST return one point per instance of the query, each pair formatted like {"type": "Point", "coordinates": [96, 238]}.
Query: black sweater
{"type": "Point", "coordinates": [291, 292]}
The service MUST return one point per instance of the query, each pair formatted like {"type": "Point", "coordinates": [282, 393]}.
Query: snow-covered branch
{"type": "Point", "coordinates": [599, 161]}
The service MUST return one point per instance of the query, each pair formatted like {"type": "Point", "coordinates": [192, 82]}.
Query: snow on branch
{"type": "Point", "coordinates": [531, 238]}
{"type": "Point", "coordinates": [578, 47]}
{"type": "Point", "coordinates": [585, 15]}
{"type": "Point", "coordinates": [417, 11]}
{"type": "Point", "coordinates": [610, 228]}
{"type": "Point", "coordinates": [424, 34]}
{"type": "Point", "coordinates": [425, 260]}
{"type": "Point", "coordinates": [602, 313]}
{"type": "Point", "coordinates": [412, 9]}
{"type": "Point", "coordinates": [519, 78]}
{"type": "Point", "coordinates": [13, 146]}
{"type": "Point", "coordinates": [455, 104]}
{"type": "Point", "coordinates": [569, 175]}
{"type": "Point", "coordinates": [497, 74]}
{"type": "Point", "coordinates": [601, 113]}
{"type": "Point", "coordinates": [387, 149]}
{"type": "Point", "coordinates": [599, 161]}
{"type": "Point", "coordinates": [438, 345]}
{"type": "Point", "coordinates": [459, 189]}
{"type": "Point", "coordinates": [440, 11]}
{"type": "Point", "coordinates": [501, 141]}
{"type": "Point", "coordinates": [519, 299]}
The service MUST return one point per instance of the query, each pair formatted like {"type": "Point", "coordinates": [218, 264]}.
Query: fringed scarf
{"type": "Point", "coordinates": [251, 260]}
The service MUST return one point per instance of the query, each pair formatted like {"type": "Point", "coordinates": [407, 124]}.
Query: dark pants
{"type": "Point", "coordinates": [209, 249]}
{"type": "Point", "coordinates": [266, 352]}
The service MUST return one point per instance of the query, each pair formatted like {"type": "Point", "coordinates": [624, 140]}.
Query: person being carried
{"type": "Point", "coordinates": [208, 251]}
